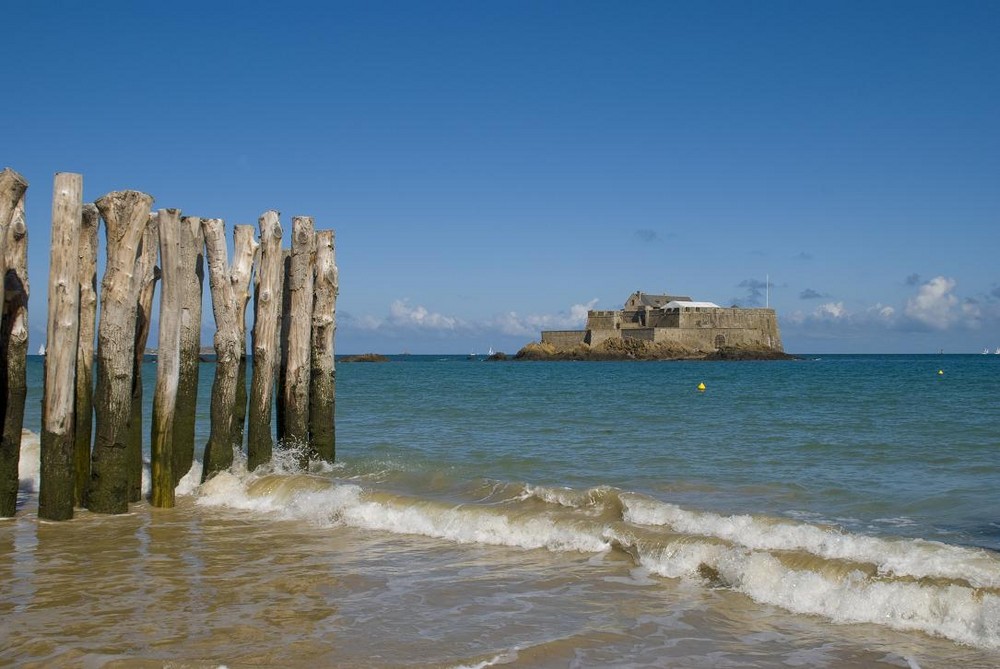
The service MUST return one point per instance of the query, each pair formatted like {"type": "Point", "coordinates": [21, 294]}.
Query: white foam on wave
{"type": "Point", "coordinates": [317, 499]}
{"type": "Point", "coordinates": [904, 557]}
{"type": "Point", "coordinates": [189, 483]}
{"type": "Point", "coordinates": [960, 613]}
{"type": "Point", "coordinates": [727, 550]}
{"type": "Point", "coordinates": [29, 465]}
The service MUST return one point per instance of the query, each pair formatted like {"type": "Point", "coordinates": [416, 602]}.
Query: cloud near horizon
{"type": "Point", "coordinates": [406, 318]}
{"type": "Point", "coordinates": [934, 307]}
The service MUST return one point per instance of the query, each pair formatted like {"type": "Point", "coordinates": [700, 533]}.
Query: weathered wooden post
{"type": "Point", "coordinates": [55, 495]}
{"type": "Point", "coordinates": [230, 293]}
{"type": "Point", "coordinates": [286, 324]}
{"type": "Point", "coordinates": [192, 249]}
{"type": "Point", "coordinates": [167, 359]}
{"type": "Point", "coordinates": [125, 215]}
{"type": "Point", "coordinates": [147, 274]}
{"type": "Point", "coordinates": [13, 357]}
{"type": "Point", "coordinates": [323, 387]}
{"type": "Point", "coordinates": [83, 414]}
{"type": "Point", "coordinates": [297, 347]}
{"type": "Point", "coordinates": [12, 187]}
{"type": "Point", "coordinates": [243, 232]}
{"type": "Point", "coordinates": [267, 299]}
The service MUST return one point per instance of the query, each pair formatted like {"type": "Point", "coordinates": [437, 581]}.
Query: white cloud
{"type": "Point", "coordinates": [831, 310]}
{"type": "Point", "coordinates": [402, 314]}
{"type": "Point", "coordinates": [935, 304]}
{"type": "Point", "coordinates": [934, 307]}
{"type": "Point", "coordinates": [836, 316]}
{"type": "Point", "coordinates": [532, 325]}
{"type": "Point", "coordinates": [404, 317]}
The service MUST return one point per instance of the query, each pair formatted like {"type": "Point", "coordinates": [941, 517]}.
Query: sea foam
{"type": "Point", "coordinates": [904, 584]}
{"type": "Point", "coordinates": [901, 557]}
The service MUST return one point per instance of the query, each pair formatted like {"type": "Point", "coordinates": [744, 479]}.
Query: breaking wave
{"type": "Point", "coordinates": [905, 584]}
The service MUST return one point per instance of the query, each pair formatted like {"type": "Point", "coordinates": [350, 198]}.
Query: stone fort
{"type": "Point", "coordinates": [677, 320]}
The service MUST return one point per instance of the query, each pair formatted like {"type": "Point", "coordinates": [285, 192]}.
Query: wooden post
{"type": "Point", "coordinates": [55, 495]}
{"type": "Point", "coordinates": [267, 299]}
{"type": "Point", "coordinates": [84, 411]}
{"type": "Point", "coordinates": [323, 386]}
{"type": "Point", "coordinates": [247, 257]}
{"type": "Point", "coordinates": [297, 346]}
{"type": "Point", "coordinates": [167, 359]}
{"type": "Point", "coordinates": [286, 324]}
{"type": "Point", "coordinates": [13, 357]}
{"type": "Point", "coordinates": [192, 249]}
{"type": "Point", "coordinates": [230, 293]}
{"type": "Point", "coordinates": [12, 187]}
{"type": "Point", "coordinates": [125, 215]}
{"type": "Point", "coordinates": [147, 274]}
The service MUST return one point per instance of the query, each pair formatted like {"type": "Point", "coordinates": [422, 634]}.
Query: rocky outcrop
{"type": "Point", "coordinates": [365, 357]}
{"type": "Point", "coordinates": [748, 354]}
{"type": "Point", "coordinates": [632, 349]}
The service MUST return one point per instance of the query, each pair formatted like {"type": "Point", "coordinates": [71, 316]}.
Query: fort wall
{"type": "Point", "coordinates": [704, 329]}
{"type": "Point", "coordinates": [563, 339]}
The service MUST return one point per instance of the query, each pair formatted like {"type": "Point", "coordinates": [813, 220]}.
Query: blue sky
{"type": "Point", "coordinates": [493, 169]}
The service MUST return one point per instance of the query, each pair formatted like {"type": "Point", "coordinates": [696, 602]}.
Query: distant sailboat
{"type": "Point", "coordinates": [41, 350]}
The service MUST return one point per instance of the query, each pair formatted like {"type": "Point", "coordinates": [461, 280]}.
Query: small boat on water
{"type": "Point", "coordinates": [41, 350]}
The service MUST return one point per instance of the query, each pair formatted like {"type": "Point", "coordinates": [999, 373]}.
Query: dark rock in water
{"type": "Point", "coordinates": [365, 357]}
{"type": "Point", "coordinates": [497, 356]}
{"type": "Point", "coordinates": [748, 354]}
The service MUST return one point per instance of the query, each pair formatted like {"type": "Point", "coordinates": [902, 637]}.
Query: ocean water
{"type": "Point", "coordinates": [835, 511]}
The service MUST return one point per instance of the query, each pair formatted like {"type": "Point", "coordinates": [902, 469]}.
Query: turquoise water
{"type": "Point", "coordinates": [834, 511]}
{"type": "Point", "coordinates": [879, 444]}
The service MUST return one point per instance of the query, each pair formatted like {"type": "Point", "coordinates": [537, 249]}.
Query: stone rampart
{"type": "Point", "coordinates": [639, 334]}
{"type": "Point", "coordinates": [603, 320]}
{"type": "Point", "coordinates": [563, 339]}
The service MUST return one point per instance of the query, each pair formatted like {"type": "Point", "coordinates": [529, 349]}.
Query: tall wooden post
{"type": "Point", "coordinates": [12, 187]}
{"type": "Point", "coordinates": [83, 414]}
{"type": "Point", "coordinates": [55, 495]}
{"type": "Point", "coordinates": [323, 386]}
{"type": "Point", "coordinates": [125, 215]}
{"type": "Point", "coordinates": [286, 324]}
{"type": "Point", "coordinates": [13, 357]}
{"type": "Point", "coordinates": [167, 359]}
{"type": "Point", "coordinates": [243, 268]}
{"type": "Point", "coordinates": [192, 263]}
{"type": "Point", "coordinates": [230, 293]}
{"type": "Point", "coordinates": [147, 274]}
{"type": "Point", "coordinates": [297, 347]}
{"type": "Point", "coordinates": [267, 298]}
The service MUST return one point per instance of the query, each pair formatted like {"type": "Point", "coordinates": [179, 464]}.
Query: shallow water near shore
{"type": "Point", "coordinates": [838, 511]}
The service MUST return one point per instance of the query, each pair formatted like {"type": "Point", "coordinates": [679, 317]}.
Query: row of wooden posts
{"type": "Point", "coordinates": [295, 293]}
